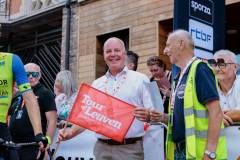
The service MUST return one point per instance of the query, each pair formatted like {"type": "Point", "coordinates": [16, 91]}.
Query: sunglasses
{"type": "Point", "coordinates": [33, 74]}
{"type": "Point", "coordinates": [220, 63]}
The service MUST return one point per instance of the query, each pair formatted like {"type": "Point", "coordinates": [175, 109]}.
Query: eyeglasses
{"type": "Point", "coordinates": [220, 63]}
{"type": "Point", "coordinates": [33, 74]}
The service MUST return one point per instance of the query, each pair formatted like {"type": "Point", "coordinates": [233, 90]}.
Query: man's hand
{"type": "Point", "coordinates": [147, 115]}
{"type": "Point", "coordinates": [64, 134]}
{"type": "Point", "coordinates": [41, 140]}
{"type": "Point", "coordinates": [234, 114]}
{"type": "Point", "coordinates": [227, 120]}
{"type": "Point", "coordinates": [156, 116]}
{"type": "Point", "coordinates": [165, 90]}
{"type": "Point", "coordinates": [142, 114]}
{"type": "Point", "coordinates": [68, 133]}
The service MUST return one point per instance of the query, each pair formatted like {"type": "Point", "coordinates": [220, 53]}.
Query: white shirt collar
{"type": "Point", "coordinates": [124, 71]}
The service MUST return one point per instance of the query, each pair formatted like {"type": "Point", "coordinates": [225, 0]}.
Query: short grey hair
{"type": "Point", "coordinates": [67, 81]}
{"type": "Point", "coordinates": [180, 33]}
{"type": "Point", "coordinates": [225, 52]}
{"type": "Point", "coordinates": [32, 65]}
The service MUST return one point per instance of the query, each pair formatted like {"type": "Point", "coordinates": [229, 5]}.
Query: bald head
{"type": "Point", "coordinates": [179, 47]}
{"type": "Point", "coordinates": [114, 39]}
{"type": "Point", "coordinates": [184, 35]}
{"type": "Point", "coordinates": [114, 55]}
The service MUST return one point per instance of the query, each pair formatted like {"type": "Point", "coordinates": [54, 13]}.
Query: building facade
{"type": "Point", "coordinates": [142, 24]}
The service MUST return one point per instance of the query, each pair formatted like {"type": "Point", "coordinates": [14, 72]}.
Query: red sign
{"type": "Point", "coordinates": [102, 113]}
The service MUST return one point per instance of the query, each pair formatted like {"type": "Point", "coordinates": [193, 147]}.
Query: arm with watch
{"type": "Point", "coordinates": [214, 122]}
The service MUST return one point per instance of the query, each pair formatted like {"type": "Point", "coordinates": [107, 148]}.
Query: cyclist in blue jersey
{"type": "Point", "coordinates": [12, 70]}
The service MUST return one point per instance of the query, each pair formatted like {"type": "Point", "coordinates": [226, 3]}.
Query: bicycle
{"type": "Point", "coordinates": [9, 145]}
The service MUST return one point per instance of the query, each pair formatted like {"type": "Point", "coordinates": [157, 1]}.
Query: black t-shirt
{"type": "Point", "coordinates": [20, 125]}
{"type": "Point", "coordinates": [206, 90]}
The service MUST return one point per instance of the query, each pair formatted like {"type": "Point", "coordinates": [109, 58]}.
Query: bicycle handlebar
{"type": "Point", "coordinates": [16, 146]}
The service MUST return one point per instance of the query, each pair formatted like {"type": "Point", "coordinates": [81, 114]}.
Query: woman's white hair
{"type": "Point", "coordinates": [67, 82]}
{"type": "Point", "coordinates": [228, 53]}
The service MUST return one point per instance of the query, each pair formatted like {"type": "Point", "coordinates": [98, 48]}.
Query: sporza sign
{"type": "Point", "coordinates": [202, 10]}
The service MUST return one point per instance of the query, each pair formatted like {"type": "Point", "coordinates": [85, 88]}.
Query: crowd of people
{"type": "Point", "coordinates": [199, 102]}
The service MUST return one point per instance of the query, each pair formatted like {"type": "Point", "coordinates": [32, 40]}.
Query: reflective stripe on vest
{"type": "Point", "coordinates": [6, 84]}
{"type": "Point", "coordinates": [196, 124]}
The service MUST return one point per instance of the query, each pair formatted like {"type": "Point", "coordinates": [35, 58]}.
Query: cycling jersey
{"type": "Point", "coordinates": [11, 69]}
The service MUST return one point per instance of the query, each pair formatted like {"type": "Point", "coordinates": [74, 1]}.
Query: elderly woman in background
{"type": "Point", "coordinates": [65, 89]}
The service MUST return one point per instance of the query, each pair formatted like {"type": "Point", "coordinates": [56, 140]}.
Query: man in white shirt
{"type": "Point", "coordinates": [125, 85]}
{"type": "Point", "coordinates": [226, 66]}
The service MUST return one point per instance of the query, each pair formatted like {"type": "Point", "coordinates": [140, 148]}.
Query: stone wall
{"type": "Point", "coordinates": [141, 17]}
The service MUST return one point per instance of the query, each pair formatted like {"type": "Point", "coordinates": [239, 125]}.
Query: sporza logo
{"type": "Point", "coordinates": [202, 10]}
{"type": "Point", "coordinates": [200, 7]}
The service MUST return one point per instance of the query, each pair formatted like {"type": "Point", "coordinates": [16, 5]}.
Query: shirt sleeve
{"type": "Point", "coordinates": [205, 84]}
{"type": "Point", "coordinates": [19, 74]}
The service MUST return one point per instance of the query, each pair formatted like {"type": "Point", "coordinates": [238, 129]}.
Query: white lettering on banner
{"type": "Point", "coordinates": [102, 118]}
{"type": "Point", "coordinates": [202, 34]}
{"type": "Point", "coordinates": [89, 104]}
{"type": "Point", "coordinates": [200, 7]}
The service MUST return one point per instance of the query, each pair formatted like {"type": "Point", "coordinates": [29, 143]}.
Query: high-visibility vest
{"type": "Point", "coordinates": [196, 124]}
{"type": "Point", "coordinates": [6, 84]}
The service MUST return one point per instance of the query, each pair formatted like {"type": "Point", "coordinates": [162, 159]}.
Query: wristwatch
{"type": "Point", "coordinates": [211, 155]}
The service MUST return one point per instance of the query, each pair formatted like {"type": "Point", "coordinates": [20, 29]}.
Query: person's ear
{"type": "Point", "coordinates": [130, 65]}
{"type": "Point", "coordinates": [181, 44]}
{"type": "Point", "coordinates": [235, 66]}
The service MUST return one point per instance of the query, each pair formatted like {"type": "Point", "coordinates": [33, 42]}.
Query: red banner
{"type": "Point", "coordinates": [101, 113]}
